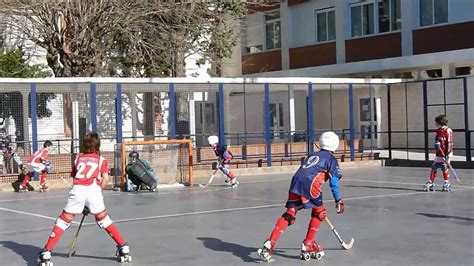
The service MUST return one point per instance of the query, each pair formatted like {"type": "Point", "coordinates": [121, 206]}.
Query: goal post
{"type": "Point", "coordinates": [171, 160]}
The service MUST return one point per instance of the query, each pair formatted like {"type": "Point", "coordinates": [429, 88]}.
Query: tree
{"type": "Point", "coordinates": [13, 65]}
{"type": "Point", "coordinates": [149, 38]}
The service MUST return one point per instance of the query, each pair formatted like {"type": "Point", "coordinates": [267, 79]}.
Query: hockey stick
{"type": "Point", "coordinates": [72, 247]}
{"type": "Point", "coordinates": [458, 180]}
{"type": "Point", "coordinates": [343, 244]}
{"type": "Point", "coordinates": [65, 182]}
{"type": "Point", "coordinates": [211, 178]}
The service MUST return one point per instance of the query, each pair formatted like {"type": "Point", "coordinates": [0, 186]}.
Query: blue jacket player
{"type": "Point", "coordinates": [224, 157]}
{"type": "Point", "coordinates": [305, 193]}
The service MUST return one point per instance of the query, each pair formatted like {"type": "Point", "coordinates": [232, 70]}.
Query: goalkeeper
{"type": "Point", "coordinates": [140, 173]}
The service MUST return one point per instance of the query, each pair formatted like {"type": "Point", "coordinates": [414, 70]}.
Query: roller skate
{"type": "Point", "coordinates": [22, 189]}
{"type": "Point", "coordinates": [123, 253]}
{"type": "Point", "coordinates": [311, 250]}
{"type": "Point", "coordinates": [447, 187]}
{"type": "Point", "coordinates": [429, 186]}
{"type": "Point", "coordinates": [43, 188]}
{"type": "Point", "coordinates": [266, 251]}
{"type": "Point", "coordinates": [44, 258]}
{"type": "Point", "coordinates": [234, 183]}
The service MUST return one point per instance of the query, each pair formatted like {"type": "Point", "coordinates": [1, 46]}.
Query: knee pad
{"type": "Point", "coordinates": [444, 168]}
{"type": "Point", "coordinates": [319, 213]}
{"type": "Point", "coordinates": [103, 220]}
{"type": "Point", "coordinates": [63, 222]}
{"type": "Point", "coordinates": [224, 170]}
{"type": "Point", "coordinates": [289, 217]}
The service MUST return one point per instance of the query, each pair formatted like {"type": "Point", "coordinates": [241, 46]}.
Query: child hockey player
{"type": "Point", "coordinates": [444, 152]}
{"type": "Point", "coordinates": [38, 163]}
{"type": "Point", "coordinates": [90, 176]}
{"type": "Point", "coordinates": [305, 193]}
{"type": "Point", "coordinates": [224, 158]}
{"type": "Point", "coordinates": [140, 173]}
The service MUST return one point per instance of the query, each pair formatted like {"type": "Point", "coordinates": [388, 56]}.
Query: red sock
{"type": "Point", "coordinates": [43, 179]}
{"type": "Point", "coordinates": [280, 226]}
{"type": "Point", "coordinates": [115, 234]}
{"type": "Point", "coordinates": [231, 175]}
{"type": "Point", "coordinates": [312, 229]}
{"type": "Point", "coordinates": [25, 180]}
{"type": "Point", "coordinates": [432, 176]}
{"type": "Point", "coordinates": [446, 176]}
{"type": "Point", "coordinates": [58, 229]}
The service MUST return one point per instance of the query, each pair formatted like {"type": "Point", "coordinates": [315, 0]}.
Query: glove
{"type": "Point", "coordinates": [448, 157]}
{"type": "Point", "coordinates": [437, 145]}
{"type": "Point", "coordinates": [86, 211]}
{"type": "Point", "coordinates": [339, 206]}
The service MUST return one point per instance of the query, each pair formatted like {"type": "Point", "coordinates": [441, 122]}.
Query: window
{"type": "Point", "coordinates": [463, 71]}
{"type": "Point", "coordinates": [362, 20]}
{"type": "Point", "coordinates": [433, 12]}
{"type": "Point", "coordinates": [389, 15]}
{"type": "Point", "coordinates": [272, 30]}
{"type": "Point", "coordinates": [325, 25]}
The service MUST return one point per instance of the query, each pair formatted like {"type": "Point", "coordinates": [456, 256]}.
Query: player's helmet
{"type": "Point", "coordinates": [329, 141]}
{"type": "Point", "coordinates": [213, 140]}
{"type": "Point", "coordinates": [134, 155]}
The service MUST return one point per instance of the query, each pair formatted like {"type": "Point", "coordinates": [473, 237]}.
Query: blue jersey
{"type": "Point", "coordinates": [223, 154]}
{"type": "Point", "coordinates": [317, 168]}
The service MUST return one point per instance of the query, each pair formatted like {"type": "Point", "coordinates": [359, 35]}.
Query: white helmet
{"type": "Point", "coordinates": [213, 140]}
{"type": "Point", "coordinates": [329, 141]}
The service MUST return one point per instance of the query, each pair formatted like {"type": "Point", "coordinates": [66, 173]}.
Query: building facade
{"type": "Point", "coordinates": [414, 39]}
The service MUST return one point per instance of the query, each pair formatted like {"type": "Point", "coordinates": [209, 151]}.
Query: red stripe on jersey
{"type": "Point", "coordinates": [87, 168]}
{"type": "Point", "coordinates": [39, 156]}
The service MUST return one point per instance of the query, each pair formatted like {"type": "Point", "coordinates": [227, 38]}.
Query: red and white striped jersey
{"type": "Point", "coordinates": [87, 168]}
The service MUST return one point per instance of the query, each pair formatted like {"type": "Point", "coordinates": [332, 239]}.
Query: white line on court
{"type": "Point", "coordinates": [264, 207]}
{"type": "Point", "coordinates": [30, 214]}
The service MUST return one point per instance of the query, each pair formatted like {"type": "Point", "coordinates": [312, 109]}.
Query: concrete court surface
{"type": "Point", "coordinates": [392, 220]}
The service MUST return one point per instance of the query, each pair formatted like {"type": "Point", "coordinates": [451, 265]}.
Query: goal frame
{"type": "Point", "coordinates": [123, 149]}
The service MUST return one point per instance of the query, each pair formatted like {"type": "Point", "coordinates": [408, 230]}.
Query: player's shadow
{"type": "Point", "coordinates": [29, 253]}
{"type": "Point", "coordinates": [462, 220]}
{"type": "Point", "coordinates": [240, 251]}
{"type": "Point", "coordinates": [391, 188]}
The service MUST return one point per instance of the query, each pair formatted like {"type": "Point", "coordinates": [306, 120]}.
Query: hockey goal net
{"type": "Point", "coordinates": [171, 160]}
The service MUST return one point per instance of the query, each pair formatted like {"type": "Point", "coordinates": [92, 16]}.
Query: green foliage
{"type": "Point", "coordinates": [13, 65]}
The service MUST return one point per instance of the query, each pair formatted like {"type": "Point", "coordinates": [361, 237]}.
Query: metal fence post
{"type": "Point", "coordinates": [425, 118]}
{"type": "Point", "coordinates": [466, 122]}
{"type": "Point", "coordinates": [389, 124]}
{"type": "Point", "coordinates": [351, 122]}
{"type": "Point", "coordinates": [267, 124]}
{"type": "Point", "coordinates": [34, 122]}
{"type": "Point", "coordinates": [310, 117]}
{"type": "Point", "coordinates": [93, 103]}
{"type": "Point", "coordinates": [118, 112]}
{"type": "Point", "coordinates": [220, 112]}
{"type": "Point", "coordinates": [172, 112]}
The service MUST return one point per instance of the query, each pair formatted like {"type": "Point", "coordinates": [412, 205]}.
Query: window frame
{"type": "Point", "coordinates": [375, 19]}
{"type": "Point", "coordinates": [433, 19]}
{"type": "Point", "coordinates": [316, 28]}
{"type": "Point", "coordinates": [267, 22]}
{"type": "Point", "coordinates": [390, 11]}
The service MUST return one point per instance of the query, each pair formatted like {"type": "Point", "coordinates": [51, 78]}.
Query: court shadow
{"type": "Point", "coordinates": [29, 253]}
{"type": "Point", "coordinates": [440, 216]}
{"type": "Point", "coordinates": [237, 250]}
{"type": "Point", "coordinates": [391, 188]}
